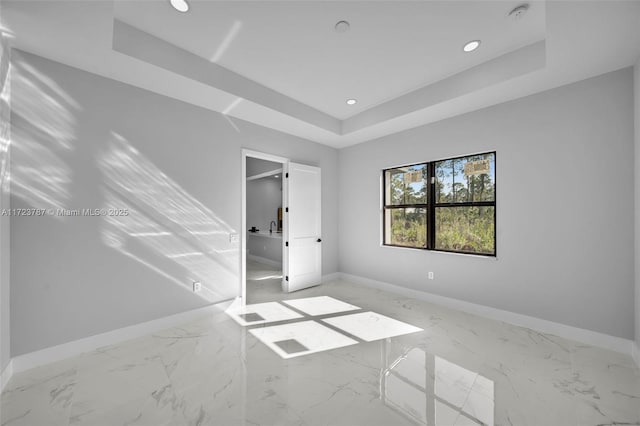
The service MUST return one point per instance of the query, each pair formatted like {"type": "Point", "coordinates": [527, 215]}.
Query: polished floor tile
{"type": "Point", "coordinates": [261, 313]}
{"type": "Point", "coordinates": [370, 326]}
{"type": "Point", "coordinates": [301, 338]}
{"type": "Point", "coordinates": [423, 385]}
{"type": "Point", "coordinates": [260, 272]}
{"type": "Point", "coordinates": [264, 283]}
{"type": "Point", "coordinates": [287, 340]}
{"type": "Point", "coordinates": [459, 370]}
{"type": "Point", "coordinates": [469, 392]}
{"type": "Point", "coordinates": [320, 305]}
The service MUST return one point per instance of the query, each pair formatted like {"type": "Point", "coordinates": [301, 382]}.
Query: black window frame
{"type": "Point", "coordinates": [431, 205]}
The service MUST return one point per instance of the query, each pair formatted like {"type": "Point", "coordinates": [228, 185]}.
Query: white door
{"type": "Point", "coordinates": [303, 254]}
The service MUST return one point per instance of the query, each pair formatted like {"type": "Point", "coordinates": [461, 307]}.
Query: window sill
{"type": "Point", "coordinates": [475, 256]}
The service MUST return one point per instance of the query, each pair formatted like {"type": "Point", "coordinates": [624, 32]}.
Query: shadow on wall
{"type": "Point", "coordinates": [5, 111]}
{"type": "Point", "coordinates": [43, 132]}
{"type": "Point", "coordinates": [145, 215]}
{"type": "Point", "coordinates": [157, 220]}
{"type": "Point", "coordinates": [225, 113]}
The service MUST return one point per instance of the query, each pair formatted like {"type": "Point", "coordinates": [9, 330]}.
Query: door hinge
{"type": "Point", "coordinates": [286, 278]}
{"type": "Point", "coordinates": [286, 244]}
{"type": "Point", "coordinates": [286, 209]}
{"type": "Point", "coordinates": [286, 175]}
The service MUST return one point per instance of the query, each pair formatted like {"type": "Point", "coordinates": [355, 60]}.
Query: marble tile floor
{"type": "Point", "coordinates": [310, 336]}
{"type": "Point", "coordinates": [261, 313]}
{"type": "Point", "coordinates": [301, 338]}
{"type": "Point", "coordinates": [370, 326]}
{"type": "Point", "coordinates": [320, 305]}
{"type": "Point", "coordinates": [460, 370]}
{"type": "Point", "coordinates": [264, 282]}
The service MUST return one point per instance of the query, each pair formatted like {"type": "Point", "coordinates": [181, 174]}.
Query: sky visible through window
{"type": "Point", "coordinates": [456, 186]}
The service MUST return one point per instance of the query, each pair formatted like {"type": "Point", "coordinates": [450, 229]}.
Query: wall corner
{"type": "Point", "coordinates": [636, 115]}
{"type": "Point", "coordinates": [5, 138]}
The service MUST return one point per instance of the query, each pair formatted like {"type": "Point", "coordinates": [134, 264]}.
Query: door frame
{"type": "Point", "coordinates": [247, 153]}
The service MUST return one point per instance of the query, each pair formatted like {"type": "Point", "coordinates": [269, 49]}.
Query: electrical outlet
{"type": "Point", "coordinates": [234, 238]}
{"type": "Point", "coordinates": [430, 275]}
{"type": "Point", "coordinates": [197, 286]}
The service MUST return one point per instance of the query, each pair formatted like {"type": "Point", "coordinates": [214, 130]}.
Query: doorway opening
{"type": "Point", "coordinates": [263, 229]}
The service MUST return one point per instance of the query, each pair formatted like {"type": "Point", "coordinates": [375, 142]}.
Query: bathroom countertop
{"type": "Point", "coordinates": [266, 234]}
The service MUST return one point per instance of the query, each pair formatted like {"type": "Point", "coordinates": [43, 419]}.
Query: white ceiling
{"type": "Point", "coordinates": [282, 65]}
{"type": "Point", "coordinates": [392, 48]}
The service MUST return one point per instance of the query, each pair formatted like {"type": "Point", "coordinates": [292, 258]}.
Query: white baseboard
{"type": "Point", "coordinates": [594, 338]}
{"type": "Point", "coordinates": [331, 277]}
{"type": "Point", "coordinates": [264, 260]}
{"type": "Point", "coordinates": [6, 374]}
{"type": "Point", "coordinates": [88, 344]}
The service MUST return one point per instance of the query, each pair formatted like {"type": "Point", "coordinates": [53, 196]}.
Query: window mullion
{"type": "Point", "coordinates": [431, 219]}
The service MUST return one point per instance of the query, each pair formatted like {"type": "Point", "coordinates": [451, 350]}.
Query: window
{"type": "Point", "coordinates": [447, 205]}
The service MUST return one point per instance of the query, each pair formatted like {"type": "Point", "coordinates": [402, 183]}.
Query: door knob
{"type": "Point", "coordinates": [319, 240]}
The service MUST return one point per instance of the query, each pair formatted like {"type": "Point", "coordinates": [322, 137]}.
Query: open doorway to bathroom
{"type": "Point", "coordinates": [264, 200]}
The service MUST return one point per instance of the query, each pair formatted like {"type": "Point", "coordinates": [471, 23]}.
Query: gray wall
{"type": "Point", "coordinates": [636, 86]}
{"type": "Point", "coordinates": [264, 196]}
{"type": "Point", "coordinates": [5, 137]}
{"type": "Point", "coordinates": [82, 141]}
{"type": "Point", "coordinates": [564, 206]}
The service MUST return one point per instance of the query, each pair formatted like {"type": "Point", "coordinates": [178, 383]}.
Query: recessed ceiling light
{"type": "Point", "coordinates": [471, 46]}
{"type": "Point", "coordinates": [518, 12]}
{"type": "Point", "coordinates": [180, 5]}
{"type": "Point", "coordinates": [342, 26]}
{"type": "Point", "coordinates": [351, 101]}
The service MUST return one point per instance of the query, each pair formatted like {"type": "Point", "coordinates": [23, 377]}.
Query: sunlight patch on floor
{"type": "Point", "coordinates": [320, 305]}
{"type": "Point", "coordinates": [301, 338]}
{"type": "Point", "coordinates": [261, 313]}
{"type": "Point", "coordinates": [370, 326]}
{"type": "Point", "coordinates": [297, 338]}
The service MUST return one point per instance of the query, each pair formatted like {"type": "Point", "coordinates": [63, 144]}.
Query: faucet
{"type": "Point", "coordinates": [273, 223]}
